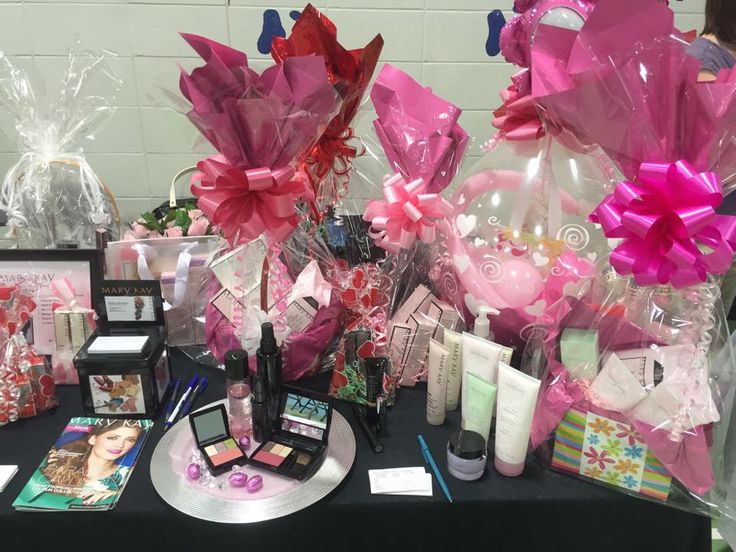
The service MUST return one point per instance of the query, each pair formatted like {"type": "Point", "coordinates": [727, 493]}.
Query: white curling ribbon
{"type": "Point", "coordinates": [146, 254]}
{"type": "Point", "coordinates": [32, 174]}
{"type": "Point", "coordinates": [311, 283]}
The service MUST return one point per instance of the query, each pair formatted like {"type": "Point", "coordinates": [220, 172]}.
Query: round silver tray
{"type": "Point", "coordinates": [190, 500]}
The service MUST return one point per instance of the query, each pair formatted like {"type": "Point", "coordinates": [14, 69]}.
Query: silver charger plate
{"type": "Point", "coordinates": [190, 500]}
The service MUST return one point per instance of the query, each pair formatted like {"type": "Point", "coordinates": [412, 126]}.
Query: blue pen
{"type": "Point", "coordinates": [428, 458]}
{"type": "Point", "coordinates": [201, 386]}
{"type": "Point", "coordinates": [174, 385]}
{"type": "Point", "coordinates": [170, 420]}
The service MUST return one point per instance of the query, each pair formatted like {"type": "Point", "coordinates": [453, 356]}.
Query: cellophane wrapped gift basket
{"type": "Point", "coordinates": [393, 311]}
{"type": "Point", "coordinates": [638, 373]}
{"type": "Point", "coordinates": [52, 195]}
{"type": "Point", "coordinates": [518, 237]}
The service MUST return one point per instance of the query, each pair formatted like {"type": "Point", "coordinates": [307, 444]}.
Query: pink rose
{"type": "Point", "coordinates": [154, 234]}
{"type": "Point", "coordinates": [174, 232]}
{"type": "Point", "coordinates": [194, 214]}
{"type": "Point", "coordinates": [140, 231]}
{"type": "Point", "coordinates": [198, 227]}
{"type": "Point", "coordinates": [129, 236]}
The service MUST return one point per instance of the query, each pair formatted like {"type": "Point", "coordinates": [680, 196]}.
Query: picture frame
{"type": "Point", "coordinates": [83, 267]}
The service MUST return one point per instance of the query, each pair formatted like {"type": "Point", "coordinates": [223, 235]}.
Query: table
{"type": "Point", "coordinates": [542, 510]}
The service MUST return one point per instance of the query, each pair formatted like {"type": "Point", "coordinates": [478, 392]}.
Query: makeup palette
{"type": "Point", "coordinates": [299, 441]}
{"type": "Point", "coordinates": [212, 434]}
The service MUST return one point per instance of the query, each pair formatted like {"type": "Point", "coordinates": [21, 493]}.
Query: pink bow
{"type": "Point", "coordinates": [406, 214]}
{"type": "Point", "coordinates": [517, 118]}
{"type": "Point", "coordinates": [665, 219]}
{"type": "Point", "coordinates": [245, 204]}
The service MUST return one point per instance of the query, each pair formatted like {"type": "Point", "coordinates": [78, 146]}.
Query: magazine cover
{"type": "Point", "coordinates": [88, 466]}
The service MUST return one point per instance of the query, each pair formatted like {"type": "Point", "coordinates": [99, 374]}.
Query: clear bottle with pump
{"type": "Point", "coordinates": [238, 393]}
{"type": "Point", "coordinates": [482, 325]}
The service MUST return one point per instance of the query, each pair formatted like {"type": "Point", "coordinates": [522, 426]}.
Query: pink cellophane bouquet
{"type": "Point", "coordinates": [637, 371]}
{"type": "Point", "coordinates": [261, 125]}
{"type": "Point", "coordinates": [423, 144]}
{"type": "Point", "coordinates": [26, 382]}
{"type": "Point", "coordinates": [519, 238]}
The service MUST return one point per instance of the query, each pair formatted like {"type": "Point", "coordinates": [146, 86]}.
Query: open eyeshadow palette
{"type": "Point", "coordinates": [299, 440]}
{"type": "Point", "coordinates": [212, 434]}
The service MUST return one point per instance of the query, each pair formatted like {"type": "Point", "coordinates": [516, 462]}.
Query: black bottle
{"type": "Point", "coordinates": [268, 360]}
{"type": "Point", "coordinates": [259, 402]}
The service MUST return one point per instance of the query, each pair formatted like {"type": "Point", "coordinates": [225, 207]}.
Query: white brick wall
{"type": "Point", "coordinates": [439, 42]}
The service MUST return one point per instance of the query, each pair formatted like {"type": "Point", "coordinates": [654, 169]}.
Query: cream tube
{"type": "Point", "coordinates": [437, 382]}
{"type": "Point", "coordinates": [481, 357]}
{"type": "Point", "coordinates": [479, 406]}
{"type": "Point", "coordinates": [517, 397]}
{"type": "Point", "coordinates": [454, 342]}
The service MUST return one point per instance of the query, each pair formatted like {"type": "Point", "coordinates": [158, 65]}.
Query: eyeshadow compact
{"type": "Point", "coordinates": [212, 434]}
{"type": "Point", "coordinates": [298, 443]}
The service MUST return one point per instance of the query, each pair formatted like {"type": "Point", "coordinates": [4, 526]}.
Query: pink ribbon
{"type": "Point", "coordinates": [245, 204]}
{"type": "Point", "coordinates": [667, 219]}
{"type": "Point", "coordinates": [405, 214]}
{"type": "Point", "coordinates": [517, 118]}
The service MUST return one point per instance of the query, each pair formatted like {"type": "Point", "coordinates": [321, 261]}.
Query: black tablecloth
{"type": "Point", "coordinates": [542, 510]}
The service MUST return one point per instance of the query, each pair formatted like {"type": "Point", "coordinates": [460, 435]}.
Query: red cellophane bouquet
{"type": "Point", "coordinates": [26, 383]}
{"type": "Point", "coordinates": [328, 163]}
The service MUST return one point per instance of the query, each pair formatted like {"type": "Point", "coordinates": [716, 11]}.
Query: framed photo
{"type": "Point", "coordinates": [82, 269]}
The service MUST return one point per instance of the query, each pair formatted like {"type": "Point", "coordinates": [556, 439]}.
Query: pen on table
{"type": "Point", "coordinates": [428, 458]}
{"type": "Point", "coordinates": [376, 445]}
{"type": "Point", "coordinates": [174, 385]}
{"type": "Point", "coordinates": [201, 386]}
{"type": "Point", "coordinates": [182, 400]}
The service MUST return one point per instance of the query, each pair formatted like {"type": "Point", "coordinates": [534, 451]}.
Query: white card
{"type": "Point", "coordinates": [117, 344]}
{"type": "Point", "coordinates": [425, 491]}
{"type": "Point", "coordinates": [398, 480]}
{"type": "Point", "coordinates": [6, 474]}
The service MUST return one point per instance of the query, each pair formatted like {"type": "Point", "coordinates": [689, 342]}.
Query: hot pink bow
{"type": "Point", "coordinates": [406, 214]}
{"type": "Point", "coordinates": [517, 118]}
{"type": "Point", "coordinates": [666, 220]}
{"type": "Point", "coordinates": [247, 203]}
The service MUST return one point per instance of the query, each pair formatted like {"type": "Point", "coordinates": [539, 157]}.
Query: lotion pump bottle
{"type": "Point", "coordinates": [482, 325]}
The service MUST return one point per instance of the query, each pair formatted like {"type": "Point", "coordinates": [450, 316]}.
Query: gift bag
{"type": "Point", "coordinates": [52, 195]}
{"type": "Point", "coordinates": [180, 264]}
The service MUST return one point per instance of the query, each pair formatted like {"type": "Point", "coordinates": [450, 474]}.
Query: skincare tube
{"type": "Point", "coordinates": [437, 382]}
{"type": "Point", "coordinates": [481, 357]}
{"type": "Point", "coordinates": [517, 397]}
{"type": "Point", "coordinates": [454, 342]}
{"type": "Point", "coordinates": [479, 406]}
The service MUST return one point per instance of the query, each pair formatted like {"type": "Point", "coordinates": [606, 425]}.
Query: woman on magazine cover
{"type": "Point", "coordinates": [87, 470]}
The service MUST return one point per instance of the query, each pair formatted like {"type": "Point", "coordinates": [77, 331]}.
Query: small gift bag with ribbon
{"type": "Point", "coordinates": [26, 383]}
{"type": "Point", "coordinates": [261, 125]}
{"type": "Point", "coordinates": [174, 248]}
{"type": "Point", "coordinates": [73, 324]}
{"type": "Point", "coordinates": [328, 164]}
{"type": "Point", "coordinates": [52, 195]}
{"type": "Point", "coordinates": [638, 374]}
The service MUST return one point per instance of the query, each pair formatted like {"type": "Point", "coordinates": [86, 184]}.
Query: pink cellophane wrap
{"type": "Point", "coordinates": [260, 125]}
{"type": "Point", "coordinates": [418, 130]}
{"type": "Point", "coordinates": [625, 81]}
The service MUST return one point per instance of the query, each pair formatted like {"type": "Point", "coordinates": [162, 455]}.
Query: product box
{"type": "Point", "coordinates": [612, 452]}
{"type": "Point", "coordinates": [124, 366]}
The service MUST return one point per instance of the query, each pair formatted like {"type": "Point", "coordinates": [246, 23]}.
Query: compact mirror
{"type": "Point", "coordinates": [304, 416]}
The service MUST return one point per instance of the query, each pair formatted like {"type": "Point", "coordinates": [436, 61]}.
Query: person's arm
{"type": "Point", "coordinates": [706, 76]}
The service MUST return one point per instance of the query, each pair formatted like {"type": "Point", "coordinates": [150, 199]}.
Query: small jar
{"type": "Point", "coordinates": [466, 455]}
